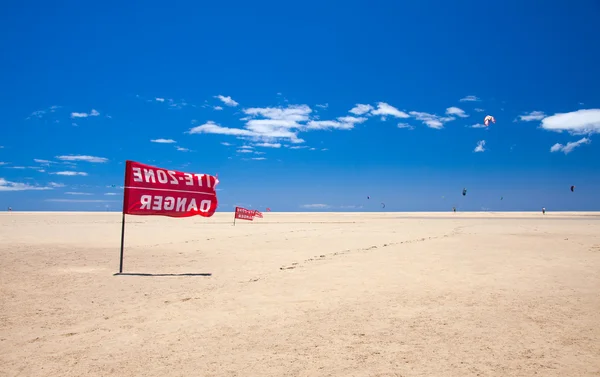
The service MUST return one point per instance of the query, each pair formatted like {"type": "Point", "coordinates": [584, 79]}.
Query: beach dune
{"type": "Point", "coordinates": [301, 294]}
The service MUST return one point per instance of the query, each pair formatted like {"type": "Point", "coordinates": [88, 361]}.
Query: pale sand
{"type": "Point", "coordinates": [466, 294]}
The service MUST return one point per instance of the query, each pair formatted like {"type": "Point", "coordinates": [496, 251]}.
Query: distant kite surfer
{"type": "Point", "coordinates": [543, 210]}
{"type": "Point", "coordinates": [454, 209]}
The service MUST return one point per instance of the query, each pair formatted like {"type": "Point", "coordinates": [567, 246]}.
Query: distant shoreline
{"type": "Point", "coordinates": [380, 213]}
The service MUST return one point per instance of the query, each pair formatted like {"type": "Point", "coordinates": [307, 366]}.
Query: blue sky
{"type": "Point", "coordinates": [331, 103]}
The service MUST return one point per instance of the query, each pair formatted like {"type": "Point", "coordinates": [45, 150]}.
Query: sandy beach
{"type": "Point", "coordinates": [301, 294]}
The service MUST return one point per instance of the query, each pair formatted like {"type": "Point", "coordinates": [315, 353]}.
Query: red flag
{"type": "Point", "coordinates": [150, 190]}
{"type": "Point", "coordinates": [244, 214]}
{"type": "Point", "coordinates": [258, 214]}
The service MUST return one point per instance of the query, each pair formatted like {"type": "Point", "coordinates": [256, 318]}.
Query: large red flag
{"type": "Point", "coordinates": [150, 190]}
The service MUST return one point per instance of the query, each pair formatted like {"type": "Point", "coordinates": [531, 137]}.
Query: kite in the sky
{"type": "Point", "coordinates": [382, 205]}
{"type": "Point", "coordinates": [572, 188]}
{"type": "Point", "coordinates": [464, 192]}
{"type": "Point", "coordinates": [489, 119]}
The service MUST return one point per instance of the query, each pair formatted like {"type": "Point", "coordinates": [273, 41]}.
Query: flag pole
{"type": "Point", "coordinates": [123, 217]}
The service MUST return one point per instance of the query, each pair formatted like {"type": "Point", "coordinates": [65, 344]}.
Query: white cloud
{"type": "Point", "coordinates": [45, 162]}
{"type": "Point", "coordinates": [294, 113]}
{"type": "Point", "coordinates": [405, 125]}
{"type": "Point", "coordinates": [323, 106]}
{"type": "Point", "coordinates": [271, 125]}
{"type": "Point", "coordinates": [534, 115]}
{"type": "Point", "coordinates": [82, 158]}
{"type": "Point", "coordinates": [71, 173]}
{"type": "Point", "coordinates": [226, 144]}
{"type": "Point", "coordinates": [217, 108]}
{"type": "Point", "coordinates": [41, 113]}
{"type": "Point", "coordinates": [77, 193]}
{"type": "Point", "coordinates": [480, 146]}
{"type": "Point", "coordinates": [456, 111]}
{"type": "Point", "coordinates": [566, 149]}
{"type": "Point", "coordinates": [431, 120]}
{"type": "Point", "coordinates": [385, 109]}
{"type": "Point", "coordinates": [479, 110]}
{"type": "Point", "coordinates": [182, 149]}
{"type": "Point", "coordinates": [211, 127]}
{"type": "Point", "coordinates": [227, 100]}
{"type": "Point", "coordinates": [269, 145]}
{"type": "Point", "coordinates": [163, 141]}
{"type": "Point", "coordinates": [315, 206]}
{"type": "Point", "coordinates": [343, 123]}
{"type": "Point", "coordinates": [325, 124]}
{"type": "Point", "coordinates": [478, 125]}
{"type": "Point", "coordinates": [160, 99]}
{"type": "Point", "coordinates": [112, 194]}
{"type": "Point", "coordinates": [93, 113]}
{"type": "Point", "coordinates": [244, 151]}
{"type": "Point", "coordinates": [361, 109]}
{"type": "Point", "coordinates": [17, 186]}
{"type": "Point", "coordinates": [258, 158]}
{"type": "Point", "coordinates": [176, 105]}
{"type": "Point", "coordinates": [470, 99]}
{"type": "Point", "coordinates": [353, 120]}
{"type": "Point", "coordinates": [56, 185]}
{"type": "Point", "coordinates": [279, 125]}
{"type": "Point", "coordinates": [576, 122]}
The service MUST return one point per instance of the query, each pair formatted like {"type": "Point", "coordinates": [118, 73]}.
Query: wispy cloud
{"type": "Point", "coordinates": [566, 149]}
{"type": "Point", "coordinates": [576, 122]}
{"type": "Point", "coordinates": [431, 120]}
{"type": "Point", "coordinates": [163, 141]}
{"type": "Point", "coordinates": [245, 151]}
{"type": "Point", "coordinates": [456, 111]}
{"type": "Point", "coordinates": [218, 108]}
{"type": "Point", "coordinates": [405, 125]}
{"type": "Point", "coordinates": [77, 193]}
{"type": "Point", "coordinates": [158, 99]}
{"type": "Point", "coordinates": [322, 106]}
{"type": "Point", "coordinates": [92, 113]}
{"type": "Point", "coordinates": [479, 110]}
{"type": "Point", "coordinates": [361, 109]}
{"type": "Point", "coordinates": [315, 206]}
{"type": "Point", "coordinates": [70, 173]}
{"type": "Point", "coordinates": [227, 100]}
{"type": "Point", "coordinates": [56, 185]}
{"type": "Point", "coordinates": [268, 145]}
{"type": "Point", "coordinates": [385, 110]}
{"type": "Point", "coordinates": [534, 115]}
{"type": "Point", "coordinates": [470, 99]}
{"type": "Point", "coordinates": [478, 125]}
{"type": "Point", "coordinates": [480, 146]}
{"type": "Point", "coordinates": [17, 186]}
{"type": "Point", "coordinates": [280, 123]}
{"type": "Point", "coordinates": [112, 194]}
{"type": "Point", "coordinates": [40, 113]}
{"type": "Point", "coordinates": [83, 158]}
{"type": "Point", "coordinates": [182, 149]}
{"type": "Point", "coordinates": [258, 158]}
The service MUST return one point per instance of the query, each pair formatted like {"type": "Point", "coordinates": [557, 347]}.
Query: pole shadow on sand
{"type": "Point", "coordinates": [145, 274]}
